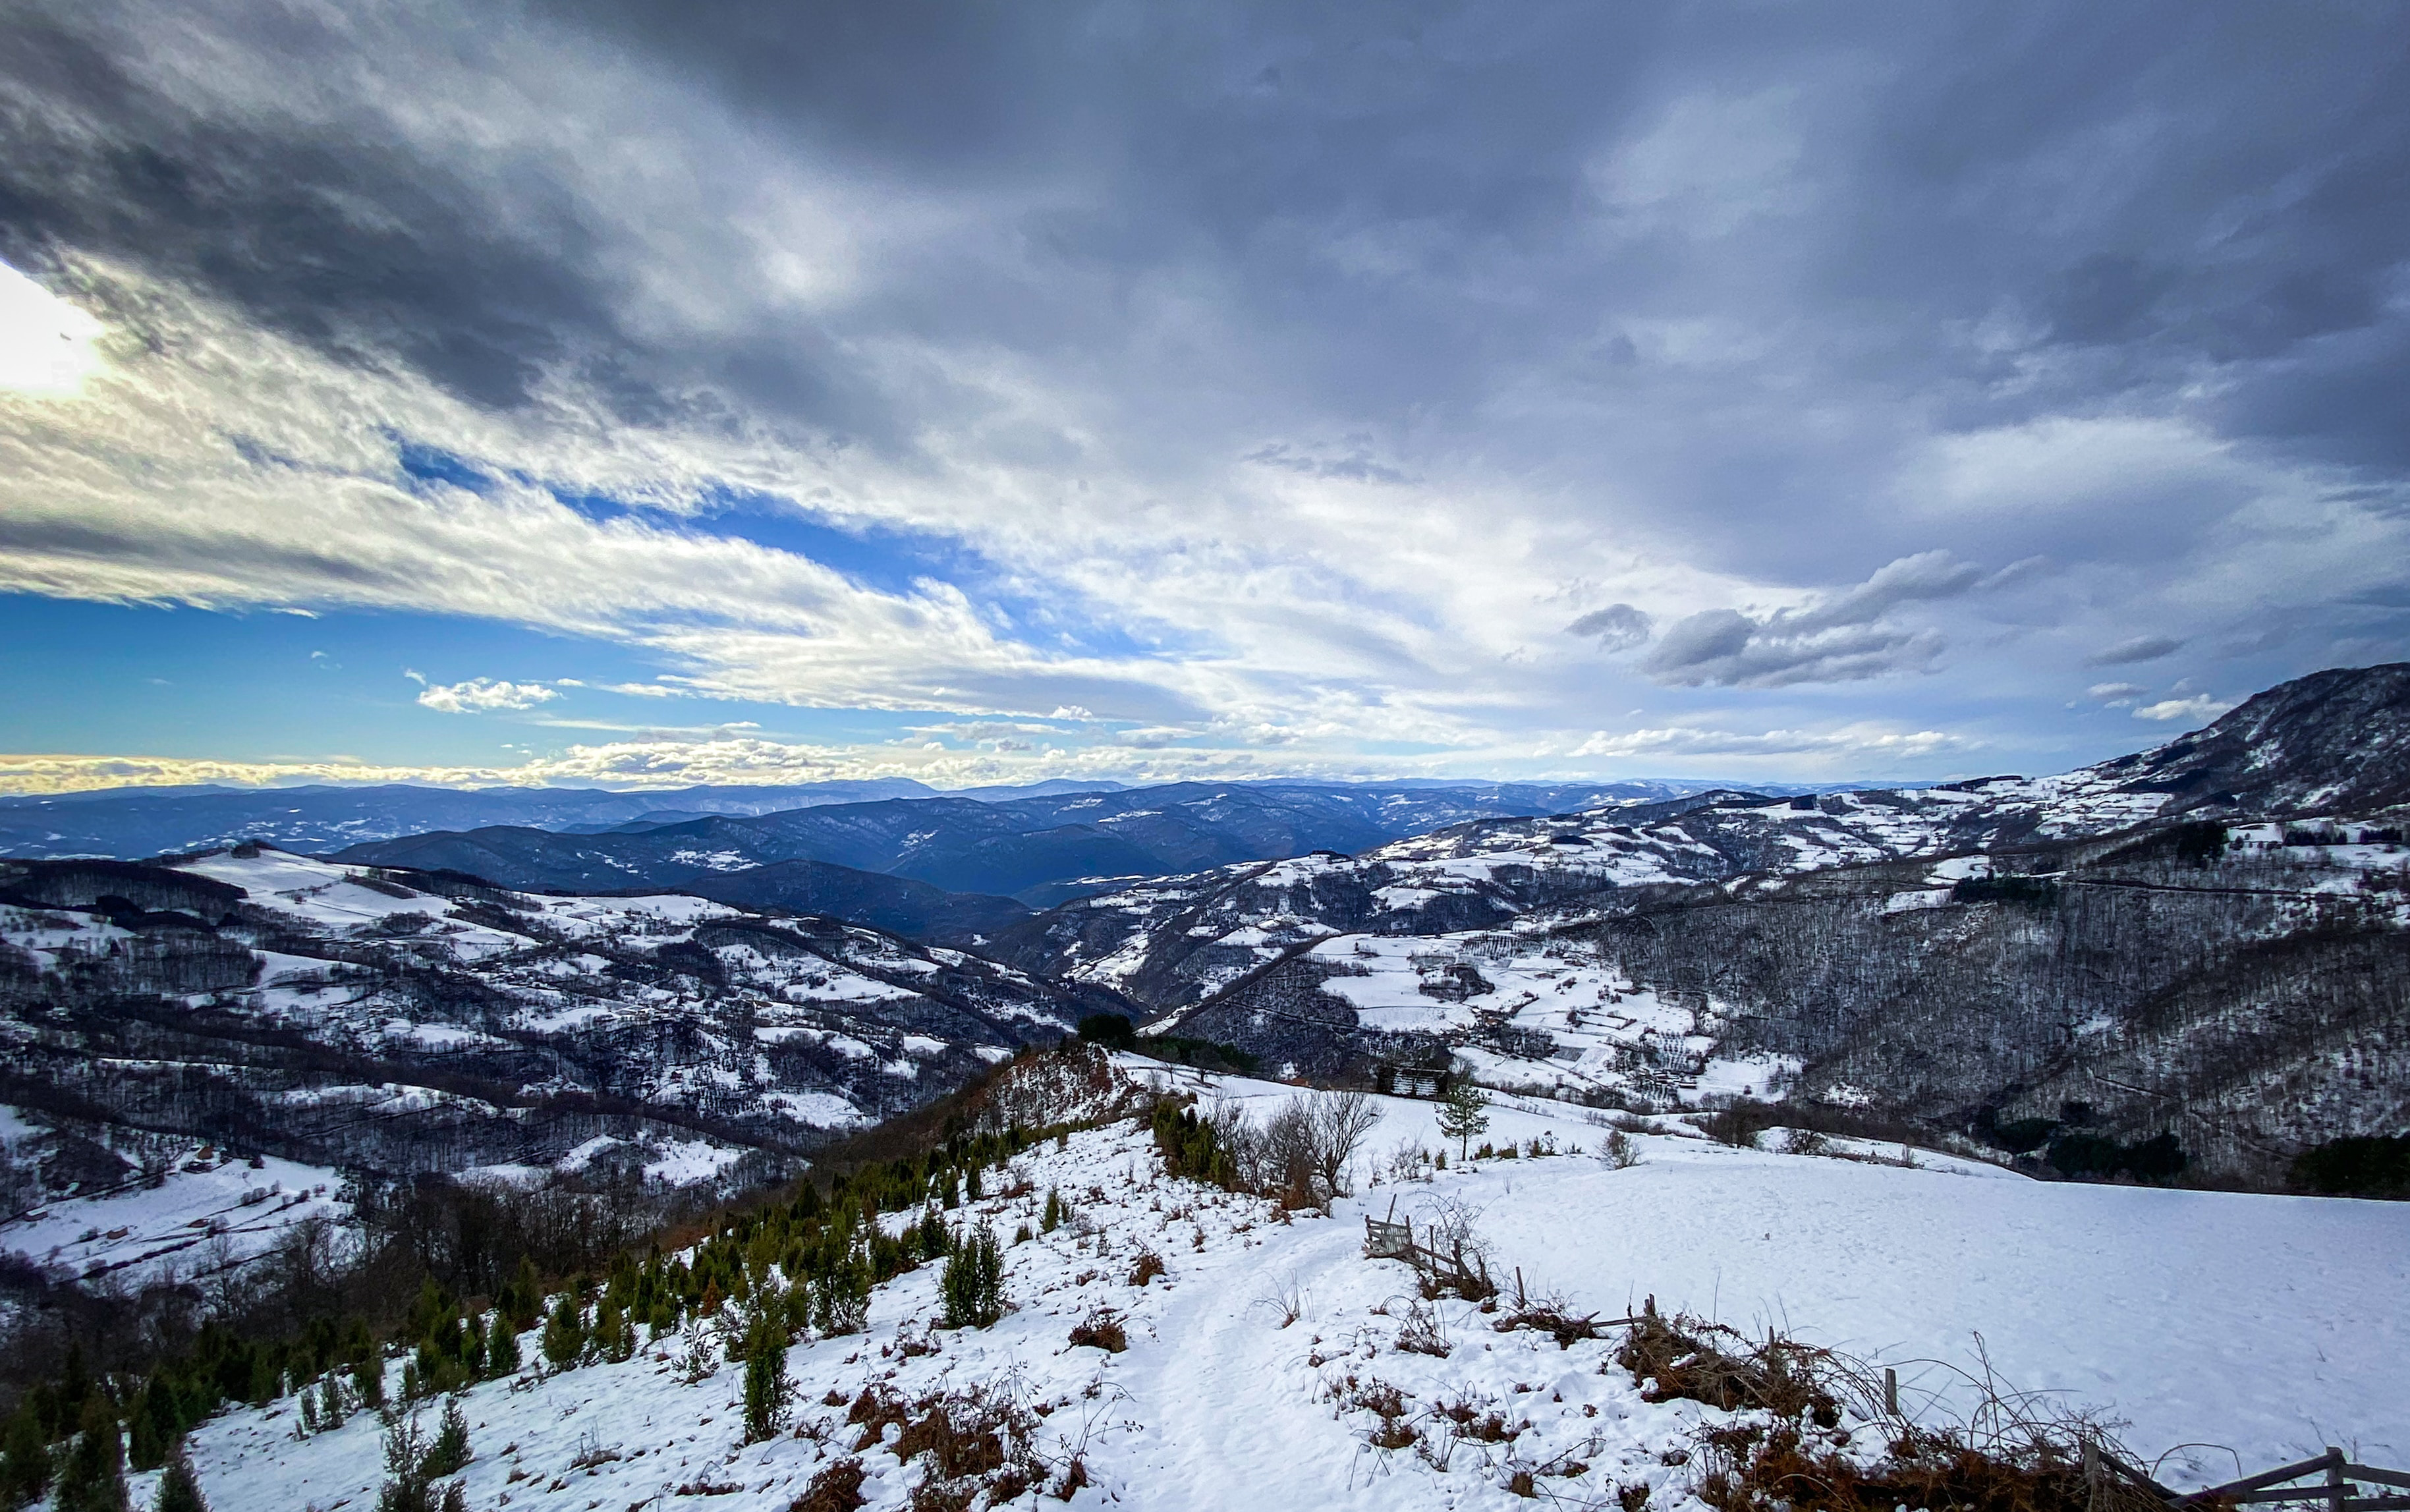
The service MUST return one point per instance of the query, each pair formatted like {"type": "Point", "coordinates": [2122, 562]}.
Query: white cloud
{"type": "Point", "coordinates": [2200, 708]}
{"type": "Point", "coordinates": [48, 346]}
{"type": "Point", "coordinates": [483, 695]}
{"type": "Point", "coordinates": [1852, 740]}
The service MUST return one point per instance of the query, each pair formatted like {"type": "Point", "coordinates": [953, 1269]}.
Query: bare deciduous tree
{"type": "Point", "coordinates": [1340, 1123]}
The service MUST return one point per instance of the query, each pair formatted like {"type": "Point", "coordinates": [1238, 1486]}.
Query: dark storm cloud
{"type": "Point", "coordinates": [1619, 627]}
{"type": "Point", "coordinates": [1398, 200]}
{"type": "Point", "coordinates": [100, 162]}
{"type": "Point", "coordinates": [1845, 639]}
{"type": "Point", "coordinates": [362, 244]}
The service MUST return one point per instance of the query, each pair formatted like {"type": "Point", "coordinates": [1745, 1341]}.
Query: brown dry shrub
{"type": "Point", "coordinates": [971, 1442]}
{"type": "Point", "coordinates": [1075, 1476]}
{"type": "Point", "coordinates": [836, 1489]}
{"type": "Point", "coordinates": [1101, 1331]}
{"type": "Point", "coordinates": [955, 1449]}
{"type": "Point", "coordinates": [1632, 1496]}
{"type": "Point", "coordinates": [1557, 1322]}
{"type": "Point", "coordinates": [1477, 1423]}
{"type": "Point", "coordinates": [1690, 1357]}
{"type": "Point", "coordinates": [1757, 1468]}
{"type": "Point", "coordinates": [873, 1410]}
{"type": "Point", "coordinates": [1149, 1266]}
{"type": "Point", "coordinates": [1393, 1434]}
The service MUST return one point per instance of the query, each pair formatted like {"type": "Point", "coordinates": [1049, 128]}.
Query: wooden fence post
{"type": "Point", "coordinates": [2336, 1490]}
{"type": "Point", "coordinates": [1891, 1397]}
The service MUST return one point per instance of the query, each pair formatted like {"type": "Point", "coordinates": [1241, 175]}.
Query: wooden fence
{"type": "Point", "coordinates": [2339, 1489]}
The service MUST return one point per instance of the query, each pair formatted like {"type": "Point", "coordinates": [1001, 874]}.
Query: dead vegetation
{"type": "Point", "coordinates": [1690, 1357]}
{"type": "Point", "coordinates": [1782, 1467]}
{"type": "Point", "coordinates": [1100, 1329]}
{"type": "Point", "coordinates": [976, 1444]}
{"type": "Point", "coordinates": [837, 1488]}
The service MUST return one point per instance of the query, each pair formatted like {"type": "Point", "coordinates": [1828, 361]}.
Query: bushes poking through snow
{"type": "Point", "coordinates": [837, 1488]}
{"type": "Point", "coordinates": [1619, 1152]}
{"type": "Point", "coordinates": [1783, 1467]}
{"type": "Point", "coordinates": [970, 1440]}
{"type": "Point", "coordinates": [1690, 1357]}
{"type": "Point", "coordinates": [1146, 1268]}
{"type": "Point", "coordinates": [1100, 1329]}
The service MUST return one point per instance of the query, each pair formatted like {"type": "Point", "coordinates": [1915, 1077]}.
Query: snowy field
{"type": "Point", "coordinates": [2267, 1326]}
{"type": "Point", "coordinates": [207, 1214]}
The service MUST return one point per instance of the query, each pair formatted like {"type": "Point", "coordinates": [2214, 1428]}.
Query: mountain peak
{"type": "Point", "coordinates": [2334, 740]}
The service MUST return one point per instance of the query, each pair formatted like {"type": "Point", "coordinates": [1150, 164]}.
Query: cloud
{"type": "Point", "coordinates": [914, 368]}
{"type": "Point", "coordinates": [48, 346]}
{"type": "Point", "coordinates": [483, 695]}
{"type": "Point", "coordinates": [2116, 695]}
{"type": "Point", "coordinates": [1619, 627]}
{"type": "Point", "coordinates": [1840, 639]}
{"type": "Point", "coordinates": [2139, 648]}
{"type": "Point", "coordinates": [1856, 740]}
{"type": "Point", "coordinates": [2200, 707]}
{"type": "Point", "coordinates": [1355, 465]}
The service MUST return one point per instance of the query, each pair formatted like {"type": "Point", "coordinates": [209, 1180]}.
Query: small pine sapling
{"type": "Point", "coordinates": [368, 1379]}
{"type": "Point", "coordinates": [1463, 1113]}
{"type": "Point", "coordinates": [93, 1479]}
{"type": "Point", "coordinates": [767, 1389]}
{"type": "Point", "coordinates": [972, 1284]}
{"type": "Point", "coordinates": [24, 1458]}
{"type": "Point", "coordinates": [180, 1490]}
{"type": "Point", "coordinates": [564, 1332]}
{"type": "Point", "coordinates": [502, 1348]}
{"type": "Point", "coordinates": [450, 1450]}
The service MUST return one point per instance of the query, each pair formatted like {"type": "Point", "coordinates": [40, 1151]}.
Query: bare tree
{"type": "Point", "coordinates": [1341, 1122]}
{"type": "Point", "coordinates": [1287, 1162]}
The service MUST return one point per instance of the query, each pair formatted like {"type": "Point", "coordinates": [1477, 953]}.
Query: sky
{"type": "Point", "coordinates": [743, 390]}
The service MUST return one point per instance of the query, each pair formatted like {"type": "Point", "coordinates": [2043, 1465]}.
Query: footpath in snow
{"type": "Point", "coordinates": [1264, 1367]}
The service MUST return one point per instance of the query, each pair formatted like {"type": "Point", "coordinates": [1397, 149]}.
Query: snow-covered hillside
{"type": "Point", "coordinates": [1271, 1365]}
{"type": "Point", "coordinates": [402, 1021]}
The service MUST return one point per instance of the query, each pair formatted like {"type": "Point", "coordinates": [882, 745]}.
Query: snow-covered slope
{"type": "Point", "coordinates": [402, 1022]}
{"type": "Point", "coordinates": [2335, 743]}
{"type": "Point", "coordinates": [2264, 1326]}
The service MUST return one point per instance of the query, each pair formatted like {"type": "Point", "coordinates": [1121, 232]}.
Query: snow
{"type": "Point", "coordinates": [2271, 1326]}
{"type": "Point", "coordinates": [196, 1220]}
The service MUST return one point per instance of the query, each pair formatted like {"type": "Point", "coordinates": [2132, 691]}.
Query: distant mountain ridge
{"type": "Point", "coordinates": [130, 823]}
{"type": "Point", "coordinates": [1037, 849]}
{"type": "Point", "coordinates": [2209, 941]}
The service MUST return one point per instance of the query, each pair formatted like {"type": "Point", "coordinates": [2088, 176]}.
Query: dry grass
{"type": "Point", "coordinates": [836, 1489]}
{"type": "Point", "coordinates": [1756, 1467]}
{"type": "Point", "coordinates": [1689, 1358]}
{"type": "Point", "coordinates": [1149, 1266]}
{"type": "Point", "coordinates": [1102, 1331]}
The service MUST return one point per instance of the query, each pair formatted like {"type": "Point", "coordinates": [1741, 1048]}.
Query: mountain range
{"type": "Point", "coordinates": [2205, 945]}
{"type": "Point", "coordinates": [1036, 850]}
